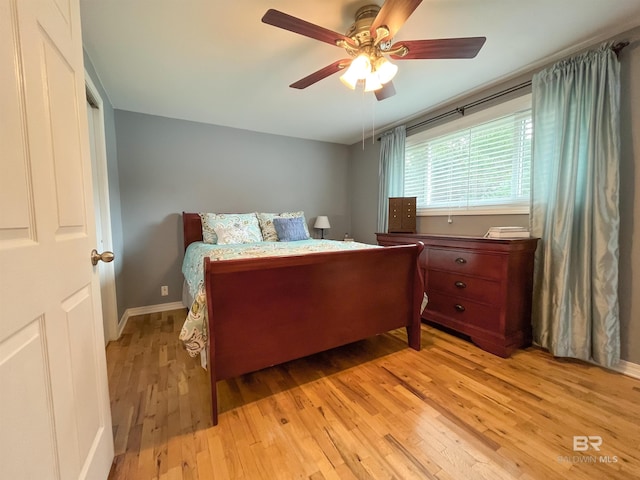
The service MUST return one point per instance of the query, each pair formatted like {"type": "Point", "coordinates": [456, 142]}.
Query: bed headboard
{"type": "Point", "coordinates": [192, 228]}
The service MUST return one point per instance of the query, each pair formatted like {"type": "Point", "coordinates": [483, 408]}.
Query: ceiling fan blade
{"type": "Point", "coordinates": [296, 25]}
{"type": "Point", "coordinates": [322, 73]}
{"type": "Point", "coordinates": [387, 90]}
{"type": "Point", "coordinates": [443, 48]}
{"type": "Point", "coordinates": [392, 15]}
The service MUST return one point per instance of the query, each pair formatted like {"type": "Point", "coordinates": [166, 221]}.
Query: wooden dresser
{"type": "Point", "coordinates": [477, 286]}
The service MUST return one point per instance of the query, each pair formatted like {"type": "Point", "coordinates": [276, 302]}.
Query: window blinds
{"type": "Point", "coordinates": [486, 166]}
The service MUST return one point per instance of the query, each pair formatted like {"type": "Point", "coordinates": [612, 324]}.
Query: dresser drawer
{"type": "Point", "coordinates": [464, 287]}
{"type": "Point", "coordinates": [466, 262]}
{"type": "Point", "coordinates": [463, 311]}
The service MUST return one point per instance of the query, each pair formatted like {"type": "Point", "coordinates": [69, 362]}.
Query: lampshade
{"type": "Point", "coordinates": [322, 221]}
{"type": "Point", "coordinates": [385, 70]}
{"type": "Point", "coordinates": [372, 82]}
{"type": "Point", "coordinates": [358, 70]}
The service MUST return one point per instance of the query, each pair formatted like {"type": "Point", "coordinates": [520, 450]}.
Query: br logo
{"type": "Point", "coordinates": [582, 443]}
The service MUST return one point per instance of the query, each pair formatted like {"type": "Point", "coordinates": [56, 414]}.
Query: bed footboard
{"type": "Point", "coordinates": [264, 312]}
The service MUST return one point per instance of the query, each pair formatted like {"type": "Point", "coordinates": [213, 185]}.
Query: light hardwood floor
{"type": "Point", "coordinates": [372, 409]}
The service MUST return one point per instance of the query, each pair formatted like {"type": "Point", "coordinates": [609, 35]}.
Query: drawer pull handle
{"type": "Point", "coordinates": [460, 260]}
{"type": "Point", "coordinates": [459, 307]}
{"type": "Point", "coordinates": [461, 285]}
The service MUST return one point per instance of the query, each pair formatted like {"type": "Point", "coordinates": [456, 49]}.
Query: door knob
{"type": "Point", "coordinates": [104, 256]}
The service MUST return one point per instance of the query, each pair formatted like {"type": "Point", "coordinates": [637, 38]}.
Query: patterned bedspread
{"type": "Point", "coordinates": [194, 329]}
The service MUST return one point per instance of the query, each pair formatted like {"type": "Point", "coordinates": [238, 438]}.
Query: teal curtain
{"type": "Point", "coordinates": [391, 173]}
{"type": "Point", "coordinates": [576, 158]}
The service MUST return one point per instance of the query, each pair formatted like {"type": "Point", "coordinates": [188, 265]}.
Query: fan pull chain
{"type": "Point", "coordinates": [362, 106]}
{"type": "Point", "coordinates": [373, 120]}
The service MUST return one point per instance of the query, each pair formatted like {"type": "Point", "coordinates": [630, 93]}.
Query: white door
{"type": "Point", "coordinates": [55, 421]}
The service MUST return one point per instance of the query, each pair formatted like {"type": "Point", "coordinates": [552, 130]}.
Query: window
{"type": "Point", "coordinates": [480, 164]}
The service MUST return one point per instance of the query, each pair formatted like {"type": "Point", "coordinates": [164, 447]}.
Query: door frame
{"type": "Point", "coordinates": [109, 298]}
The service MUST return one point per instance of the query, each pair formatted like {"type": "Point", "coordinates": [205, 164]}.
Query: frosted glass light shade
{"type": "Point", "coordinates": [358, 70]}
{"type": "Point", "coordinates": [385, 70]}
{"type": "Point", "coordinates": [372, 82]}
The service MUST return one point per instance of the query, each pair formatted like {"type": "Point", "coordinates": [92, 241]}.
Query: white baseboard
{"type": "Point", "coordinates": [132, 312]}
{"type": "Point", "coordinates": [627, 368]}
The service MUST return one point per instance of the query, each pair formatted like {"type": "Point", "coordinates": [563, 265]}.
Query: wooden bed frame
{"type": "Point", "coordinates": [267, 311]}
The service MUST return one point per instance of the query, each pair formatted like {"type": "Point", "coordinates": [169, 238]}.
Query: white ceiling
{"type": "Point", "coordinates": [216, 62]}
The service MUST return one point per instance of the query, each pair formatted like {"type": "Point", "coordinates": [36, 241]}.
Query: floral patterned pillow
{"type": "Point", "coordinates": [232, 234]}
{"type": "Point", "coordinates": [269, 233]}
{"type": "Point", "coordinates": [243, 221]}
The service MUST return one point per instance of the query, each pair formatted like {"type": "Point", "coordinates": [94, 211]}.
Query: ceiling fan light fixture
{"type": "Point", "coordinates": [369, 41]}
{"type": "Point", "coordinates": [358, 70]}
{"type": "Point", "coordinates": [385, 70]}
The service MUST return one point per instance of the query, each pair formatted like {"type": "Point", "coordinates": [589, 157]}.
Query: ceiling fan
{"type": "Point", "coordinates": [369, 42]}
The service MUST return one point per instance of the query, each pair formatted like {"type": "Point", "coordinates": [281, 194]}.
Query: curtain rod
{"type": "Point", "coordinates": [617, 48]}
{"type": "Point", "coordinates": [461, 110]}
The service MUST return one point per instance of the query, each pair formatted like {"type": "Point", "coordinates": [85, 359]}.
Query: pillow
{"type": "Point", "coordinates": [231, 234]}
{"type": "Point", "coordinates": [246, 221]}
{"type": "Point", "coordinates": [298, 214]}
{"type": "Point", "coordinates": [208, 234]}
{"type": "Point", "coordinates": [290, 229]}
{"type": "Point", "coordinates": [266, 226]}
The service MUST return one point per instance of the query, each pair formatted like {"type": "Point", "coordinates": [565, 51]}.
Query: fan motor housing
{"type": "Point", "coordinates": [359, 31]}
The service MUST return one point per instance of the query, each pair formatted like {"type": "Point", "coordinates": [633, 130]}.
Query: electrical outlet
{"type": "Point", "coordinates": [164, 290]}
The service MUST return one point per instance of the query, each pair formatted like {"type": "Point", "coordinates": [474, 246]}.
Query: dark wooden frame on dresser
{"type": "Point", "coordinates": [477, 286]}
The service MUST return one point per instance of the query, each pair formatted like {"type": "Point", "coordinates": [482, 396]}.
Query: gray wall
{"type": "Point", "coordinates": [114, 182]}
{"type": "Point", "coordinates": [364, 188]}
{"type": "Point", "coordinates": [168, 166]}
{"type": "Point", "coordinates": [363, 185]}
